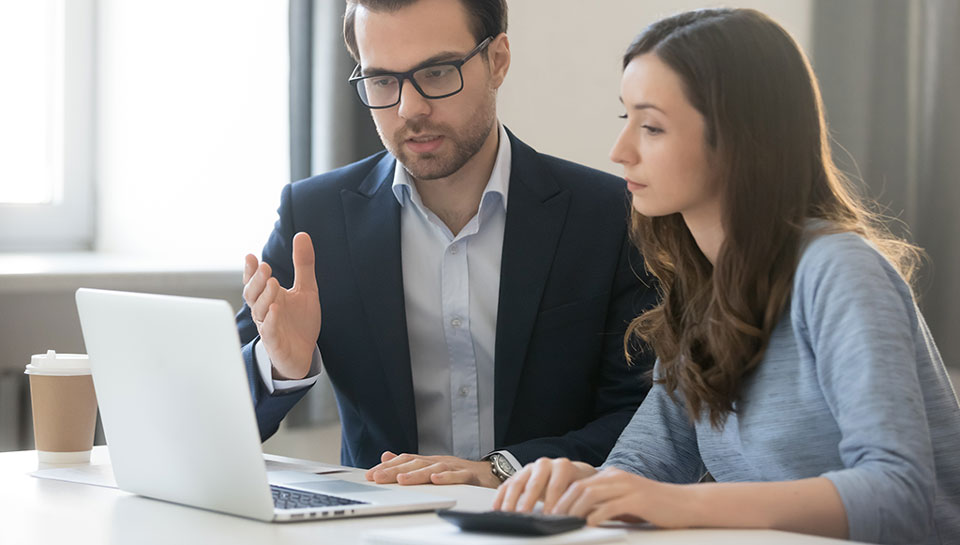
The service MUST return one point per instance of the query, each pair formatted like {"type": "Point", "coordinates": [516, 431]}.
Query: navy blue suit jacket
{"type": "Point", "coordinates": [569, 285]}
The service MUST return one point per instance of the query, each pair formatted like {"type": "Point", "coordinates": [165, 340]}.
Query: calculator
{"type": "Point", "coordinates": [512, 523]}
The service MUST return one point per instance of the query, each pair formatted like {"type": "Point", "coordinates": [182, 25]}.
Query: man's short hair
{"type": "Point", "coordinates": [487, 18]}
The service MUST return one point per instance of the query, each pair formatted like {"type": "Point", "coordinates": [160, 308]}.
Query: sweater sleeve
{"type": "Point", "coordinates": [660, 442]}
{"type": "Point", "coordinates": [858, 317]}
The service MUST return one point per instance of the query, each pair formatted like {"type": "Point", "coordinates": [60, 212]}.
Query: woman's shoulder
{"type": "Point", "coordinates": [843, 264]}
{"type": "Point", "coordinates": [828, 250]}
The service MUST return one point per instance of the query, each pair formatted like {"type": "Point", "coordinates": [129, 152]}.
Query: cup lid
{"type": "Point", "coordinates": [52, 363]}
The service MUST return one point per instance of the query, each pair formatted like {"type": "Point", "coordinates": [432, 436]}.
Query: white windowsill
{"type": "Point", "coordinates": [22, 272]}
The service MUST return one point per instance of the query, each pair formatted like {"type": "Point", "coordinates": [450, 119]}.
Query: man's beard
{"type": "Point", "coordinates": [466, 143]}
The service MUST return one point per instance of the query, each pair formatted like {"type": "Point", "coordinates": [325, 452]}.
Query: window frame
{"type": "Point", "coordinates": [68, 222]}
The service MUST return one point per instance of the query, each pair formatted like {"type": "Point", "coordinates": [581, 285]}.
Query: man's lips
{"type": "Point", "coordinates": [424, 144]}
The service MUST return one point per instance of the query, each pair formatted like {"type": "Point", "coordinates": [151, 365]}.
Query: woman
{"type": "Point", "coordinates": [794, 365]}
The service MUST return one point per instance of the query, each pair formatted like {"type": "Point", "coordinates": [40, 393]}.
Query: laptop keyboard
{"type": "Point", "coordinates": [288, 498]}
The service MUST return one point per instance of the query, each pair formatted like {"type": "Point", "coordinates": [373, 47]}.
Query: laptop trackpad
{"type": "Point", "coordinates": [336, 487]}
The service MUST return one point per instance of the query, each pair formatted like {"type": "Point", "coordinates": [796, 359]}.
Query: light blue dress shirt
{"type": "Point", "coordinates": [451, 287]}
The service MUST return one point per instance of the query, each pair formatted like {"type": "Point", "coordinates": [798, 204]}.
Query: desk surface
{"type": "Point", "coordinates": [40, 511]}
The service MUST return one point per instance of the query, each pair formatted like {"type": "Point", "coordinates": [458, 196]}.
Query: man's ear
{"type": "Point", "coordinates": [498, 52]}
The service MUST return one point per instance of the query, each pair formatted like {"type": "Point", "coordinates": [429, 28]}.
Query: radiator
{"type": "Point", "coordinates": [16, 424]}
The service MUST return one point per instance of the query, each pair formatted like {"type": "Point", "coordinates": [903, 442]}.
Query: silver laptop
{"type": "Point", "coordinates": [179, 420]}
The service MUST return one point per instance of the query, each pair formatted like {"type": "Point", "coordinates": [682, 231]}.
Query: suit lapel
{"type": "Point", "coordinates": [536, 210]}
{"type": "Point", "coordinates": [372, 216]}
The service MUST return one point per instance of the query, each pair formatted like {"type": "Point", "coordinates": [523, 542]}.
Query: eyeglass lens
{"type": "Point", "coordinates": [434, 82]}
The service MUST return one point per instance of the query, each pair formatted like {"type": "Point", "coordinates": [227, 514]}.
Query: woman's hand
{"type": "Point", "coordinates": [577, 489]}
{"type": "Point", "coordinates": [546, 479]}
{"type": "Point", "coordinates": [809, 506]}
{"type": "Point", "coordinates": [614, 494]}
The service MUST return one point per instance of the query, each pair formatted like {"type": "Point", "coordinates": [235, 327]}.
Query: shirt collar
{"type": "Point", "coordinates": [498, 184]}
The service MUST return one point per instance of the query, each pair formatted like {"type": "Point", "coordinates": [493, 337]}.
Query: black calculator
{"type": "Point", "coordinates": [507, 522]}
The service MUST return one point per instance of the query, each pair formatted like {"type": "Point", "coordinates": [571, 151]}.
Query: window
{"type": "Point", "coordinates": [46, 129]}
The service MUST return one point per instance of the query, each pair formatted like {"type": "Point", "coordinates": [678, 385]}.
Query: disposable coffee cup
{"type": "Point", "coordinates": [64, 407]}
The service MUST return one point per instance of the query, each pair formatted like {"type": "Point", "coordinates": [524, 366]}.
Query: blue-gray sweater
{"type": "Point", "coordinates": [851, 388]}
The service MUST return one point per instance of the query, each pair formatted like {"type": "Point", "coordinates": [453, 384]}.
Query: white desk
{"type": "Point", "coordinates": [41, 511]}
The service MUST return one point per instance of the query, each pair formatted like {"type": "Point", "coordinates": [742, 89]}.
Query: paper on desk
{"type": "Point", "coordinates": [97, 475]}
{"type": "Point", "coordinates": [102, 474]}
{"type": "Point", "coordinates": [283, 463]}
{"type": "Point", "coordinates": [448, 534]}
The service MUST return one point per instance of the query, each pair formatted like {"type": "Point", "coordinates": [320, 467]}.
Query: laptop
{"type": "Point", "coordinates": [179, 420]}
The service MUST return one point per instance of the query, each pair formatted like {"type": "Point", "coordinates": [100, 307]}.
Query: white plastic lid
{"type": "Point", "coordinates": [52, 363]}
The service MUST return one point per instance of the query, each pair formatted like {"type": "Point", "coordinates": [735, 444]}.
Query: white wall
{"type": "Point", "coordinates": [193, 125]}
{"type": "Point", "coordinates": [561, 95]}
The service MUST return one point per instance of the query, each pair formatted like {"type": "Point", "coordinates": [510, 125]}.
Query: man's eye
{"type": "Point", "coordinates": [438, 72]}
{"type": "Point", "coordinates": [382, 82]}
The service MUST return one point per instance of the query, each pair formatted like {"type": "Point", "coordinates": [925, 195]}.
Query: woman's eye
{"type": "Point", "coordinates": [651, 129]}
{"type": "Point", "coordinates": [622, 116]}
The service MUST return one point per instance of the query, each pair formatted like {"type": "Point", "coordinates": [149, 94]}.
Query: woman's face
{"type": "Point", "coordinates": [663, 147]}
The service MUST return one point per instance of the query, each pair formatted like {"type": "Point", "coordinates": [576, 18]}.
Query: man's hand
{"type": "Point", "coordinates": [415, 469]}
{"type": "Point", "coordinates": [288, 320]}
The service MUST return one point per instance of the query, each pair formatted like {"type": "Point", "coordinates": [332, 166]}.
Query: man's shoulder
{"type": "Point", "coordinates": [349, 177]}
{"type": "Point", "coordinates": [578, 174]}
{"type": "Point", "coordinates": [570, 175]}
{"type": "Point", "coordinates": [592, 191]}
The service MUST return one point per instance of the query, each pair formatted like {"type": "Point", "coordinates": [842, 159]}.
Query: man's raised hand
{"type": "Point", "coordinates": [288, 320]}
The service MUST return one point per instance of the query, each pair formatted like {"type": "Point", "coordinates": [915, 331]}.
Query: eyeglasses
{"type": "Point", "coordinates": [438, 80]}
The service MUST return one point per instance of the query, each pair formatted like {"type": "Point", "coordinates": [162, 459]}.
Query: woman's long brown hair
{"type": "Point", "coordinates": [766, 132]}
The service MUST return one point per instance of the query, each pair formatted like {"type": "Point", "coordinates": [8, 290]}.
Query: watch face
{"type": "Point", "coordinates": [503, 465]}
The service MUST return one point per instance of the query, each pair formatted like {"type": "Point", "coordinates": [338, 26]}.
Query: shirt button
{"type": "Point", "coordinates": [454, 249]}
{"type": "Point", "coordinates": [464, 391]}
{"type": "Point", "coordinates": [456, 322]}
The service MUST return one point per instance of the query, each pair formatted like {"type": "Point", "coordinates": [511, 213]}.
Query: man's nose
{"type": "Point", "coordinates": [412, 103]}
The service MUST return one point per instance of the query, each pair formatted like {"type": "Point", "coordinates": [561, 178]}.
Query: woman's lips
{"type": "Point", "coordinates": [424, 144]}
{"type": "Point", "coordinates": [634, 186]}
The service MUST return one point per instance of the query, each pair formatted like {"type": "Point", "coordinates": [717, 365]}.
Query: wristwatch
{"type": "Point", "coordinates": [500, 466]}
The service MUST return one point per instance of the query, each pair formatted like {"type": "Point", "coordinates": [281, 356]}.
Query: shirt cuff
{"type": "Point", "coordinates": [517, 466]}
{"type": "Point", "coordinates": [284, 386]}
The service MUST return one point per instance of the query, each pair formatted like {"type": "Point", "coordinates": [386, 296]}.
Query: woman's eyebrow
{"type": "Point", "coordinates": [644, 106]}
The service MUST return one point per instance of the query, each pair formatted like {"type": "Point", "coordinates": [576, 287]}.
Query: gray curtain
{"type": "Point", "coordinates": [301, 14]}
{"type": "Point", "coordinates": [890, 77]}
{"type": "Point", "coordinates": [329, 128]}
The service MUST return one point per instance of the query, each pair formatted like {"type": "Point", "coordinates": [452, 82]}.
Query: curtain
{"type": "Point", "coordinates": [890, 79]}
{"type": "Point", "coordinates": [329, 128]}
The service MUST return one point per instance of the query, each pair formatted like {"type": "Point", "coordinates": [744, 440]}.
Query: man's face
{"type": "Point", "coordinates": [432, 138]}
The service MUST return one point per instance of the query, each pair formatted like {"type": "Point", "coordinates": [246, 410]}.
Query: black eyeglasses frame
{"type": "Point", "coordinates": [356, 79]}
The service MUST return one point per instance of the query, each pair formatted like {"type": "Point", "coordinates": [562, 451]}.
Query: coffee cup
{"type": "Point", "coordinates": [64, 407]}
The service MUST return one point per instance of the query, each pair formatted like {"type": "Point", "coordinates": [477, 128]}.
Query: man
{"type": "Point", "coordinates": [474, 293]}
